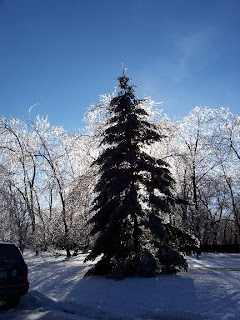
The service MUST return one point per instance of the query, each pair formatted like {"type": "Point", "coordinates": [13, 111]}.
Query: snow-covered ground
{"type": "Point", "coordinates": [58, 290]}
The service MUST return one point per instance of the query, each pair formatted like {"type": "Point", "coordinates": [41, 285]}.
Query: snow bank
{"type": "Point", "coordinates": [58, 290]}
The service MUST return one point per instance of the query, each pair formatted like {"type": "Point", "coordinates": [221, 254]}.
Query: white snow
{"type": "Point", "coordinates": [58, 290]}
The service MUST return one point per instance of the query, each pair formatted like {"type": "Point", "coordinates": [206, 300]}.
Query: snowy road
{"type": "Point", "coordinates": [210, 290]}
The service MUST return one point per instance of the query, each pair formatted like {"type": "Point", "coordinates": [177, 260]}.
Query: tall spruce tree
{"type": "Point", "coordinates": [134, 196]}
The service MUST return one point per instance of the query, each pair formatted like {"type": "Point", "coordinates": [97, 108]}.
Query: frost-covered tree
{"type": "Point", "coordinates": [226, 144]}
{"type": "Point", "coordinates": [41, 166]}
{"type": "Point", "coordinates": [205, 159]}
{"type": "Point", "coordinates": [18, 175]}
{"type": "Point", "coordinates": [134, 196]}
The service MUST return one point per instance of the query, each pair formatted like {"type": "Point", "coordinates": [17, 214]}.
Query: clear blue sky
{"type": "Point", "coordinates": [62, 54]}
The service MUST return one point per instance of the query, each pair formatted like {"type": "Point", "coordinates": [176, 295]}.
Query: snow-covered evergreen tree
{"type": "Point", "coordinates": [134, 196]}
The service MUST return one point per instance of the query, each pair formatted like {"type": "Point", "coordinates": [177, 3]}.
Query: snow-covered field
{"type": "Point", "coordinates": [58, 290]}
